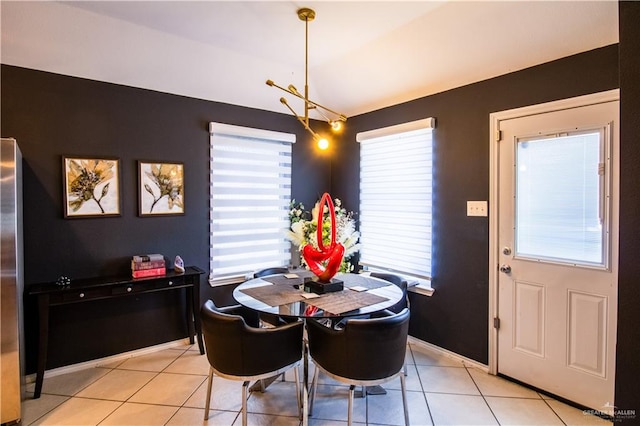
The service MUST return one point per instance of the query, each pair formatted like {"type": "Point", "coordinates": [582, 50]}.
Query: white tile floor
{"type": "Point", "coordinates": [169, 388]}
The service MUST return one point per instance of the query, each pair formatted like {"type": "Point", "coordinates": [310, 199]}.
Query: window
{"type": "Point", "coordinates": [395, 198]}
{"type": "Point", "coordinates": [249, 201]}
{"type": "Point", "coordinates": [560, 198]}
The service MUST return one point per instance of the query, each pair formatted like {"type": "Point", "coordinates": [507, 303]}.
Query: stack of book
{"type": "Point", "coordinates": [148, 265]}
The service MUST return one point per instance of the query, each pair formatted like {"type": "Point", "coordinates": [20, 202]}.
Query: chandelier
{"type": "Point", "coordinates": [335, 119]}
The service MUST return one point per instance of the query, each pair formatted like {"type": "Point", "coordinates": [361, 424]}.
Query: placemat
{"type": "Point", "coordinates": [274, 295]}
{"type": "Point", "coordinates": [344, 301]}
{"type": "Point", "coordinates": [353, 280]}
{"type": "Point", "coordinates": [282, 280]}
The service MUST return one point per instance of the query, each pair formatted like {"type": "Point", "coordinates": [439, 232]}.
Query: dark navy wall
{"type": "Point", "coordinates": [627, 365]}
{"type": "Point", "coordinates": [456, 317]}
{"type": "Point", "coordinates": [52, 115]}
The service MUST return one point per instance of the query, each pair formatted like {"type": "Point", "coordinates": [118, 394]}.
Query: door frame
{"type": "Point", "coordinates": [494, 151]}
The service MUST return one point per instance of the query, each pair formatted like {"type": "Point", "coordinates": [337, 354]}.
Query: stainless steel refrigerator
{"type": "Point", "coordinates": [11, 284]}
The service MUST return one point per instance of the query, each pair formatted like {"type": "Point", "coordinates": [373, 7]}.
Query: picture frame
{"type": "Point", "coordinates": [160, 188]}
{"type": "Point", "coordinates": [91, 187]}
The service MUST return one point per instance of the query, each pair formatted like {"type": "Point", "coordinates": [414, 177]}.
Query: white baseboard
{"type": "Point", "coordinates": [452, 355]}
{"type": "Point", "coordinates": [31, 378]}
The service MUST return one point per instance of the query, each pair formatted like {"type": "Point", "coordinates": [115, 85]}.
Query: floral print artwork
{"type": "Point", "coordinates": [162, 188]}
{"type": "Point", "coordinates": [91, 187]}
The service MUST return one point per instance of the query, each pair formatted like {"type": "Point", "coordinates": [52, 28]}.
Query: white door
{"type": "Point", "coordinates": [557, 249]}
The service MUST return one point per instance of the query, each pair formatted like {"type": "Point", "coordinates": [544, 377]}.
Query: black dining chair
{"type": "Point", "coordinates": [237, 351]}
{"type": "Point", "coordinates": [366, 352]}
{"type": "Point", "coordinates": [272, 319]}
{"type": "Point", "coordinates": [401, 283]}
{"type": "Point", "coordinates": [404, 303]}
{"type": "Point", "coordinates": [270, 271]}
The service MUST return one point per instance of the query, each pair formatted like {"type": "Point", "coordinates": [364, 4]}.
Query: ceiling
{"type": "Point", "coordinates": [363, 55]}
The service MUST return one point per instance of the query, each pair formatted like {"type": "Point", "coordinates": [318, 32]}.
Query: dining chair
{"type": "Point", "coordinates": [237, 351]}
{"type": "Point", "coordinates": [366, 352]}
{"type": "Point", "coordinates": [401, 283]}
{"type": "Point", "coordinates": [272, 319]}
{"type": "Point", "coordinates": [404, 303]}
{"type": "Point", "coordinates": [270, 271]}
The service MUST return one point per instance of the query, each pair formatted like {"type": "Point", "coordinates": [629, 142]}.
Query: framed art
{"type": "Point", "coordinates": [160, 188]}
{"type": "Point", "coordinates": [91, 187]}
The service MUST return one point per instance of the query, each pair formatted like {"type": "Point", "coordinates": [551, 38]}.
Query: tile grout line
{"type": "Point", "coordinates": [424, 393]}
{"type": "Point", "coordinates": [70, 397]}
{"type": "Point", "coordinates": [482, 395]}
{"type": "Point", "coordinates": [552, 410]}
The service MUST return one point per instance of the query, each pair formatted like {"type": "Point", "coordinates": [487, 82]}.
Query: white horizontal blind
{"type": "Point", "coordinates": [559, 198]}
{"type": "Point", "coordinates": [395, 199]}
{"type": "Point", "coordinates": [249, 204]}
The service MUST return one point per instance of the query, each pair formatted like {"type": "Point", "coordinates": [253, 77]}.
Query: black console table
{"type": "Point", "coordinates": [84, 290]}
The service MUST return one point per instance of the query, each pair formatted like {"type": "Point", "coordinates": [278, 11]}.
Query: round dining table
{"type": "Point", "coordinates": [284, 295]}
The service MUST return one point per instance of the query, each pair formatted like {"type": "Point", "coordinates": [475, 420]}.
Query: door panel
{"type": "Point", "coordinates": [587, 332]}
{"type": "Point", "coordinates": [557, 220]}
{"type": "Point", "coordinates": [528, 327]}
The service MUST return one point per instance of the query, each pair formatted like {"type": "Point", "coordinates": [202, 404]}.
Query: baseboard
{"type": "Point", "coordinates": [447, 353]}
{"type": "Point", "coordinates": [31, 378]}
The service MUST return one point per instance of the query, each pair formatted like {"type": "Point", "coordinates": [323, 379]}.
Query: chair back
{"type": "Point", "coordinates": [365, 349]}
{"type": "Point", "coordinates": [270, 271]}
{"type": "Point", "coordinates": [234, 348]}
{"type": "Point", "coordinates": [400, 282]}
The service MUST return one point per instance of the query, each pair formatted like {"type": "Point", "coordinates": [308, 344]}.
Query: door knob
{"type": "Point", "coordinates": [505, 269]}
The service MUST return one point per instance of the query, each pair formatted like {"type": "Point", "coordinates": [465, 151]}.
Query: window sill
{"type": "Point", "coordinates": [423, 289]}
{"type": "Point", "coordinates": [223, 282]}
{"type": "Point", "coordinates": [414, 285]}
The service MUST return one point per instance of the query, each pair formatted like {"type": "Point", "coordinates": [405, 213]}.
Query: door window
{"type": "Point", "coordinates": [559, 198]}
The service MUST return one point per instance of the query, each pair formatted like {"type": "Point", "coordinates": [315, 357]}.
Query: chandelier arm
{"type": "Point", "coordinates": [300, 119]}
{"type": "Point", "coordinates": [341, 117]}
{"type": "Point", "coordinates": [271, 83]}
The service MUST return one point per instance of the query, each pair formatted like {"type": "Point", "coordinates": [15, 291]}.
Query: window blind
{"type": "Point", "coordinates": [396, 198]}
{"type": "Point", "coordinates": [249, 200]}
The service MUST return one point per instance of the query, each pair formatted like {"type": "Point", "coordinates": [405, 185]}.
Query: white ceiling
{"type": "Point", "coordinates": [363, 55]}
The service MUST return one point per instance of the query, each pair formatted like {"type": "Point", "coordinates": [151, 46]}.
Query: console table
{"type": "Point", "coordinates": [85, 290]}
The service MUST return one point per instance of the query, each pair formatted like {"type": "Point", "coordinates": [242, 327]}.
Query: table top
{"type": "Point", "coordinates": [284, 296]}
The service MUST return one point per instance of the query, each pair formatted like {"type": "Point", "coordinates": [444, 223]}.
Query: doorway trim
{"type": "Point", "coordinates": [494, 137]}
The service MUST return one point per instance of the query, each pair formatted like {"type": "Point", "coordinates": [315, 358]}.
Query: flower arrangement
{"type": "Point", "coordinates": [304, 226]}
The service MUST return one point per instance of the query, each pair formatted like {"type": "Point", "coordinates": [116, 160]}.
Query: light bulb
{"type": "Point", "coordinates": [323, 143]}
{"type": "Point", "coordinates": [293, 90]}
{"type": "Point", "coordinates": [336, 125]}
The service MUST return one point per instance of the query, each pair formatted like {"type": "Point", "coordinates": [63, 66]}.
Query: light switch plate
{"type": "Point", "coordinates": [476, 208]}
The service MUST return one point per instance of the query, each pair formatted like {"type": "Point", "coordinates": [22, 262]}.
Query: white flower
{"type": "Point", "coordinates": [314, 213]}
{"type": "Point", "coordinates": [303, 231]}
{"type": "Point", "coordinates": [296, 233]}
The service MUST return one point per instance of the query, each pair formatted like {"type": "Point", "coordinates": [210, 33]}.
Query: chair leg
{"type": "Point", "coordinates": [404, 399]}
{"type": "Point", "coordinates": [208, 404]}
{"type": "Point", "coordinates": [295, 377]}
{"type": "Point", "coordinates": [314, 387]}
{"type": "Point", "coordinates": [245, 385]}
{"type": "Point", "coordinates": [350, 414]}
